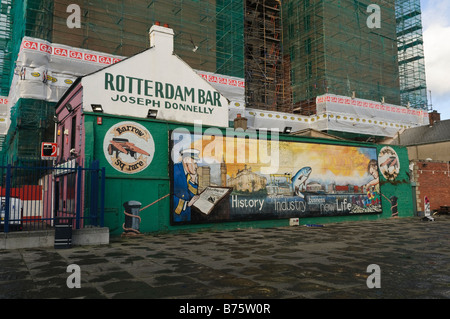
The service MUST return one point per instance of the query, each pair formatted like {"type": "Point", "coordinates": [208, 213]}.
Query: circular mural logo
{"type": "Point", "coordinates": [128, 147]}
{"type": "Point", "coordinates": [388, 163]}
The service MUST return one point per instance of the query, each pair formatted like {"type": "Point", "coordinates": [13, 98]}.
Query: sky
{"type": "Point", "coordinates": [436, 37]}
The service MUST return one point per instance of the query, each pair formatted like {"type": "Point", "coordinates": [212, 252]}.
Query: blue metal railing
{"type": "Point", "coordinates": [34, 197]}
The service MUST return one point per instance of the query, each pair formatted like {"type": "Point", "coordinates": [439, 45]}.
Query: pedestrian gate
{"type": "Point", "coordinates": [34, 197]}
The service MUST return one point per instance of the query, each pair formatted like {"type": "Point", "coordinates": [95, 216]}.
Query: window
{"type": "Point", "coordinates": [308, 70]}
{"type": "Point", "coordinates": [292, 53]}
{"type": "Point", "coordinates": [308, 46]}
{"type": "Point", "coordinates": [307, 22]}
{"type": "Point", "coordinates": [63, 140]}
{"type": "Point", "coordinates": [73, 132]}
{"type": "Point", "coordinates": [250, 49]}
{"type": "Point", "coordinates": [306, 4]}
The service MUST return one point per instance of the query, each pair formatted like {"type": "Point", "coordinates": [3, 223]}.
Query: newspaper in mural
{"type": "Point", "coordinates": [311, 180]}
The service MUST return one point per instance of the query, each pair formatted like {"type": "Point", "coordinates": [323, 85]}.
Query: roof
{"type": "Point", "coordinates": [315, 133]}
{"type": "Point", "coordinates": [79, 78]}
{"type": "Point", "coordinates": [427, 134]}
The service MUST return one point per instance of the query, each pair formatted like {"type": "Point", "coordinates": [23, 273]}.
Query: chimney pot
{"type": "Point", "coordinates": [161, 38]}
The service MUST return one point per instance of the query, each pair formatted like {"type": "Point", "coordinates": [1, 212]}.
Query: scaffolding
{"type": "Point", "coordinates": [31, 124]}
{"type": "Point", "coordinates": [331, 49]}
{"type": "Point", "coordinates": [410, 54]}
{"type": "Point", "coordinates": [289, 52]}
{"type": "Point", "coordinates": [264, 72]}
{"type": "Point", "coordinates": [5, 46]}
{"type": "Point", "coordinates": [208, 35]}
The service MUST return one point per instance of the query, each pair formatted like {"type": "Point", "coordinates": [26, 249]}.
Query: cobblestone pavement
{"type": "Point", "coordinates": [328, 262]}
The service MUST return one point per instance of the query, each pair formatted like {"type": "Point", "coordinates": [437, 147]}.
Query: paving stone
{"type": "Point", "coordinates": [276, 263]}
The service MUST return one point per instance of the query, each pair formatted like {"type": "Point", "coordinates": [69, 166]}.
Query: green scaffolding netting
{"type": "Point", "coordinates": [31, 124]}
{"type": "Point", "coordinates": [208, 33]}
{"type": "Point", "coordinates": [332, 50]}
{"type": "Point", "coordinates": [288, 51]}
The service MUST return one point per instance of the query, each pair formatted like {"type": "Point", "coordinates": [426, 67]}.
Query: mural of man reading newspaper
{"type": "Point", "coordinates": [311, 180]}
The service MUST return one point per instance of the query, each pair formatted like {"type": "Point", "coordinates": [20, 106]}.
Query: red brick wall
{"type": "Point", "coordinates": [432, 180]}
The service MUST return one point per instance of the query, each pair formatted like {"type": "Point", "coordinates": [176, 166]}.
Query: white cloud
{"type": "Point", "coordinates": [434, 12]}
{"type": "Point", "coordinates": [437, 58]}
{"type": "Point", "coordinates": [436, 33]}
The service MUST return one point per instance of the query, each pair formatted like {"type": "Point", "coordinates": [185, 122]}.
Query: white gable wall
{"type": "Point", "coordinates": [156, 79]}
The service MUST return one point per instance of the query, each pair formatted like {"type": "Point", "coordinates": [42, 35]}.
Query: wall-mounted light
{"type": "Point", "coordinates": [97, 108]}
{"type": "Point", "coordinates": [287, 130]}
{"type": "Point", "coordinates": [68, 107]}
{"type": "Point", "coordinates": [152, 114]}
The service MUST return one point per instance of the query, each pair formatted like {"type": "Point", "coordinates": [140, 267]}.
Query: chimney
{"type": "Point", "coordinates": [434, 117]}
{"type": "Point", "coordinates": [240, 122]}
{"type": "Point", "coordinates": [161, 38]}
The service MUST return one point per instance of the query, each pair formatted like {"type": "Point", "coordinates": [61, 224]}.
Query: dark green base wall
{"type": "Point", "coordinates": [153, 182]}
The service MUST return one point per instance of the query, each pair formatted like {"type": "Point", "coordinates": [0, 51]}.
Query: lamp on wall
{"type": "Point", "coordinates": [69, 107]}
{"type": "Point", "coordinates": [287, 130]}
{"type": "Point", "coordinates": [152, 114]}
{"type": "Point", "coordinates": [97, 108]}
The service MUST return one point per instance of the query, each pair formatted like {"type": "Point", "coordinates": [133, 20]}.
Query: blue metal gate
{"type": "Point", "coordinates": [34, 197]}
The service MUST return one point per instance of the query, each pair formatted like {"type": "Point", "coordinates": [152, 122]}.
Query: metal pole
{"type": "Point", "coordinates": [7, 197]}
{"type": "Point", "coordinates": [94, 193]}
{"type": "Point", "coordinates": [102, 199]}
{"type": "Point", "coordinates": [78, 208]}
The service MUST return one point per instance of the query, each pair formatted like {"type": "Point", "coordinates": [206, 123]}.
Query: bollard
{"type": "Point", "coordinates": [427, 212]}
{"type": "Point", "coordinates": [132, 218]}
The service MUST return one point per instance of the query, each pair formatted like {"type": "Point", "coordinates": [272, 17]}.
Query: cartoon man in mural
{"type": "Point", "coordinates": [185, 185]}
{"type": "Point", "coordinates": [372, 169]}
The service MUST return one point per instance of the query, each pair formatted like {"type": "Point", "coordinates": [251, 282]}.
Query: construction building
{"type": "Point", "coordinates": [285, 55]}
{"type": "Point", "coordinates": [209, 37]}
{"type": "Point", "coordinates": [266, 87]}
{"type": "Point", "coordinates": [332, 50]}
{"type": "Point", "coordinates": [413, 87]}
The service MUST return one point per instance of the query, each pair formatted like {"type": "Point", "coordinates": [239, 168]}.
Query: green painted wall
{"type": "Point", "coordinates": [153, 182]}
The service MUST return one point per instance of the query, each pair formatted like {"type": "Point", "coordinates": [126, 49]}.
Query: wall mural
{"type": "Point", "coordinates": [212, 181]}
{"type": "Point", "coordinates": [128, 147]}
{"type": "Point", "coordinates": [389, 163]}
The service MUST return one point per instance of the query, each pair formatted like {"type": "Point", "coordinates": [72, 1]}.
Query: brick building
{"type": "Point", "coordinates": [429, 154]}
{"type": "Point", "coordinates": [431, 179]}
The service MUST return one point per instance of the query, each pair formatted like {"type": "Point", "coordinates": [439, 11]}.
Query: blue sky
{"type": "Point", "coordinates": [436, 34]}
